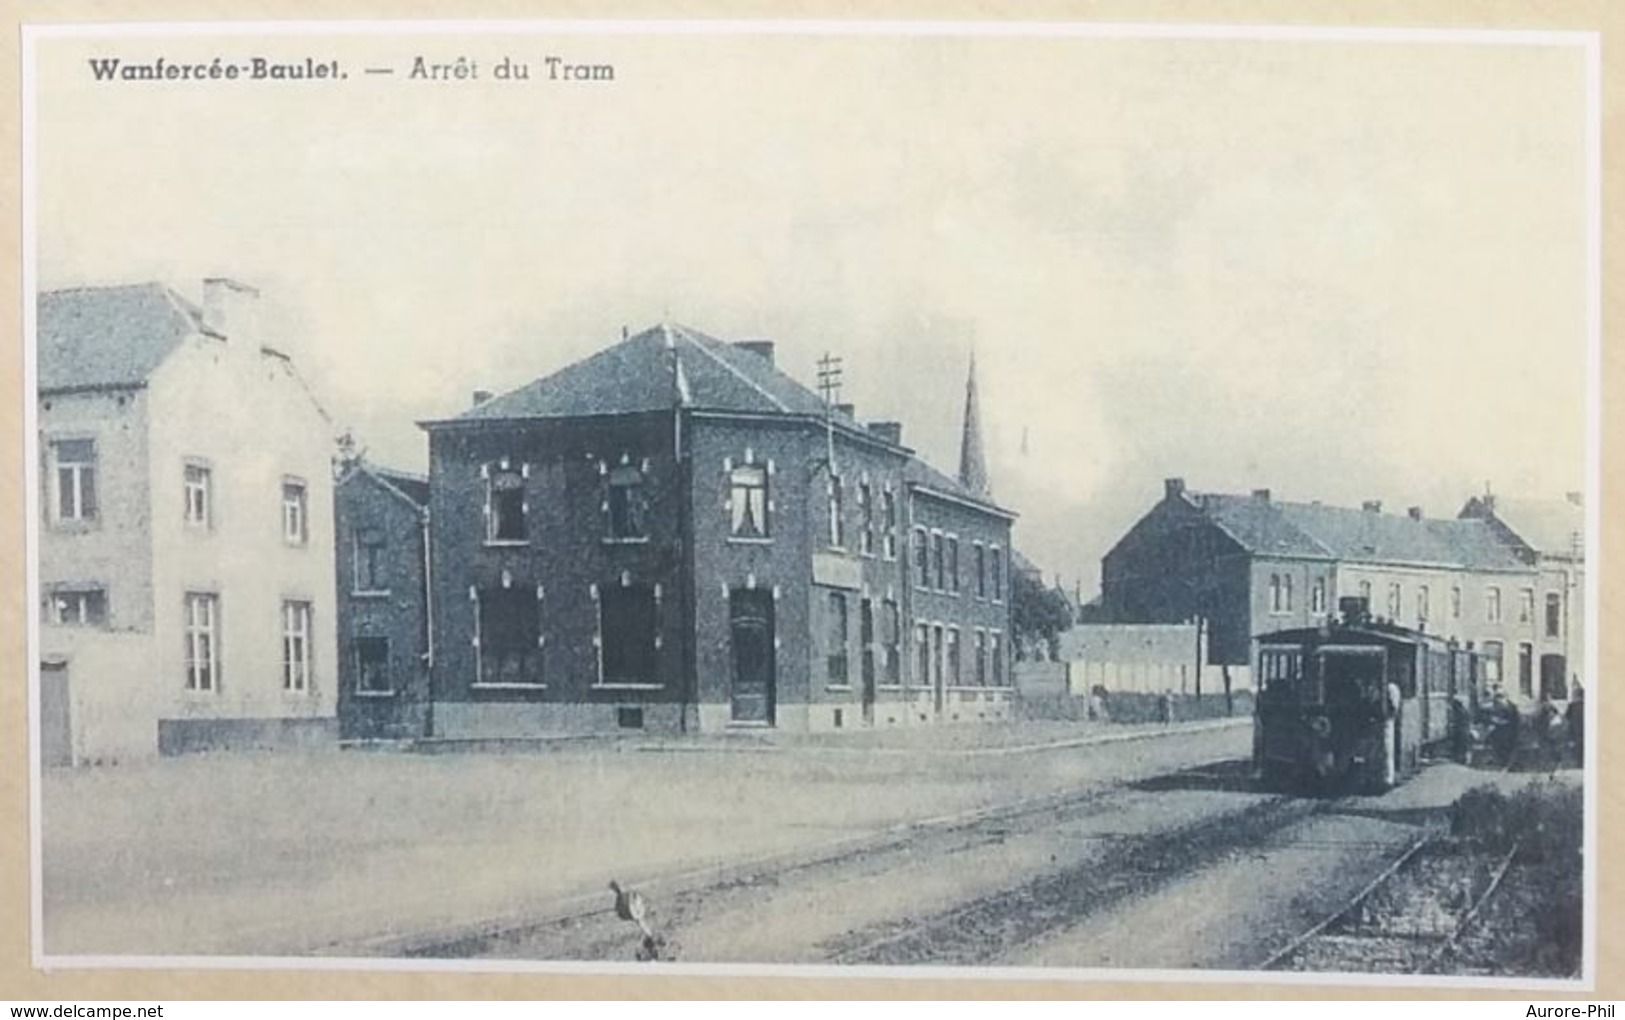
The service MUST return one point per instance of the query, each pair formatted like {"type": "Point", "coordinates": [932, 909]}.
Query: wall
{"type": "Point", "coordinates": [115, 550]}
{"type": "Point", "coordinates": [394, 610]}
{"type": "Point", "coordinates": [252, 420]}
{"type": "Point", "coordinates": [114, 698]}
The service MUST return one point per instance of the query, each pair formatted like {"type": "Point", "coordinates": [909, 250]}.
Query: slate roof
{"type": "Point", "coordinates": [414, 487]}
{"type": "Point", "coordinates": [1315, 531]}
{"type": "Point", "coordinates": [636, 375]}
{"type": "Point", "coordinates": [1547, 526]}
{"type": "Point", "coordinates": [99, 337]}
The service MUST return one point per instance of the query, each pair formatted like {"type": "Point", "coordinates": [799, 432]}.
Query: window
{"type": "Point", "coordinates": [368, 566]}
{"type": "Point", "coordinates": [1492, 605]}
{"type": "Point", "coordinates": [953, 564]}
{"type": "Point", "coordinates": [1286, 593]}
{"type": "Point", "coordinates": [628, 639]}
{"type": "Point", "coordinates": [954, 678]}
{"type": "Point", "coordinates": [1422, 603]}
{"type": "Point", "coordinates": [371, 656]}
{"type": "Point", "coordinates": [939, 556]}
{"type": "Point", "coordinates": [75, 479]}
{"type": "Point", "coordinates": [76, 607]}
{"type": "Point", "coordinates": [981, 658]}
{"type": "Point", "coordinates": [837, 512]}
{"type": "Point", "coordinates": [1526, 605]}
{"type": "Point", "coordinates": [1317, 596]}
{"type": "Point", "coordinates": [296, 646]}
{"type": "Point", "coordinates": [888, 509]}
{"type": "Point", "coordinates": [1554, 614]}
{"type": "Point", "coordinates": [1526, 669]}
{"type": "Point", "coordinates": [202, 635]}
{"type": "Point", "coordinates": [922, 559]}
{"type": "Point", "coordinates": [1396, 597]}
{"type": "Point", "coordinates": [625, 502]}
{"type": "Point", "coordinates": [1277, 605]}
{"type": "Point", "coordinates": [505, 503]}
{"type": "Point", "coordinates": [1492, 662]}
{"type": "Point", "coordinates": [198, 482]}
{"type": "Point", "coordinates": [836, 653]}
{"type": "Point", "coordinates": [295, 530]}
{"type": "Point", "coordinates": [981, 571]}
{"type": "Point", "coordinates": [1365, 594]}
{"type": "Point", "coordinates": [936, 655]}
{"type": "Point", "coordinates": [866, 514]}
{"type": "Point", "coordinates": [996, 653]}
{"type": "Point", "coordinates": [922, 650]}
{"type": "Point", "coordinates": [1455, 602]}
{"type": "Point", "coordinates": [892, 635]}
{"type": "Point", "coordinates": [995, 566]}
{"type": "Point", "coordinates": [747, 501]}
{"type": "Point", "coordinates": [507, 637]}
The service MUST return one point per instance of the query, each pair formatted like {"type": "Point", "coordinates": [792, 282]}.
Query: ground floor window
{"type": "Point", "coordinates": [1492, 663]}
{"type": "Point", "coordinates": [892, 637]}
{"type": "Point", "coordinates": [295, 646]}
{"type": "Point", "coordinates": [508, 637]}
{"type": "Point", "coordinates": [1526, 670]}
{"type": "Point", "coordinates": [76, 607]}
{"type": "Point", "coordinates": [836, 672]}
{"type": "Point", "coordinates": [202, 641]}
{"type": "Point", "coordinates": [954, 677]}
{"type": "Point", "coordinates": [371, 655]}
{"type": "Point", "coordinates": [922, 648]}
{"type": "Point", "coordinates": [996, 653]}
{"type": "Point", "coordinates": [627, 635]}
{"type": "Point", "coordinates": [981, 658]}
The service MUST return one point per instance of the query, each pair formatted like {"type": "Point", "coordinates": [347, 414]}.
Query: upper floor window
{"type": "Point", "coordinates": [995, 567]}
{"type": "Point", "coordinates": [1395, 600]}
{"type": "Point", "coordinates": [837, 512]}
{"type": "Point", "coordinates": [1317, 596]}
{"type": "Point", "coordinates": [981, 570]}
{"type": "Point", "coordinates": [369, 566]}
{"type": "Point", "coordinates": [1365, 594]}
{"type": "Point", "coordinates": [199, 484]}
{"type": "Point", "coordinates": [1492, 605]}
{"type": "Point", "coordinates": [939, 557]}
{"type": "Point", "coordinates": [922, 559]}
{"type": "Point", "coordinates": [888, 513]}
{"type": "Point", "coordinates": [1278, 601]}
{"type": "Point", "coordinates": [627, 509]}
{"type": "Point", "coordinates": [75, 475]}
{"type": "Point", "coordinates": [866, 517]}
{"type": "Point", "coordinates": [505, 505]}
{"type": "Point", "coordinates": [1422, 607]}
{"type": "Point", "coordinates": [1554, 614]}
{"type": "Point", "coordinates": [1526, 605]}
{"type": "Point", "coordinates": [202, 641]}
{"type": "Point", "coordinates": [76, 607]}
{"type": "Point", "coordinates": [1455, 602]}
{"type": "Point", "coordinates": [296, 646]}
{"type": "Point", "coordinates": [747, 499]}
{"type": "Point", "coordinates": [295, 518]}
{"type": "Point", "coordinates": [953, 564]}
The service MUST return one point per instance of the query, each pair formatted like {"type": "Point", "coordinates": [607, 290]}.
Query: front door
{"type": "Point", "coordinates": [55, 715]}
{"type": "Point", "coordinates": [866, 641]}
{"type": "Point", "coordinates": [1554, 681]}
{"type": "Point", "coordinates": [750, 617]}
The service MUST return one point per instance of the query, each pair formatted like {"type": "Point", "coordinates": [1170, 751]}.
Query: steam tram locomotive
{"type": "Point", "coordinates": [1352, 705]}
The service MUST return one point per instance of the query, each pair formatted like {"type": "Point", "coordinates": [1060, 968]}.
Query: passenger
{"type": "Point", "coordinates": [1461, 730]}
{"type": "Point", "coordinates": [1504, 725]}
{"type": "Point", "coordinates": [1546, 733]}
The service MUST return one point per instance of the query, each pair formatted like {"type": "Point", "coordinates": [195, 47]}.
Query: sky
{"type": "Point", "coordinates": [1338, 270]}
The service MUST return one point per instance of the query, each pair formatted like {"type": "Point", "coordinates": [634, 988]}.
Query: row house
{"type": "Point", "coordinates": [1244, 565]}
{"type": "Point", "coordinates": [673, 534]}
{"type": "Point", "coordinates": [185, 546]}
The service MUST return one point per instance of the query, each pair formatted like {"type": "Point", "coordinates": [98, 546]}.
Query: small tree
{"type": "Point", "coordinates": [1037, 613]}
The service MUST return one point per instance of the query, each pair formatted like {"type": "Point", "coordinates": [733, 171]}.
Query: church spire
{"type": "Point", "coordinates": [972, 461]}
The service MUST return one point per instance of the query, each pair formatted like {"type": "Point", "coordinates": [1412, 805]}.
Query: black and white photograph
{"type": "Point", "coordinates": [912, 499]}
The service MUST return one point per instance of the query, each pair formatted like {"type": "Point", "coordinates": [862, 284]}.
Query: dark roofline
{"type": "Point", "coordinates": [964, 501]}
{"type": "Point", "coordinates": [379, 475]}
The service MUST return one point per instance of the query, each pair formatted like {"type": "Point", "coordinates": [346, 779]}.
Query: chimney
{"type": "Point", "coordinates": [481, 397]}
{"type": "Point", "coordinates": [231, 309]}
{"type": "Point", "coordinates": [761, 348]}
{"type": "Point", "coordinates": [1414, 513]}
{"type": "Point", "coordinates": [1372, 506]}
{"type": "Point", "coordinates": [1262, 495]}
{"type": "Point", "coordinates": [1173, 488]}
{"type": "Point", "coordinates": [888, 431]}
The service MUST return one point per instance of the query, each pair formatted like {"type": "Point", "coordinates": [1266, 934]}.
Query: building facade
{"type": "Point", "coordinates": [1247, 565]}
{"type": "Point", "coordinates": [186, 574]}
{"type": "Point", "coordinates": [381, 533]}
{"type": "Point", "coordinates": [674, 535]}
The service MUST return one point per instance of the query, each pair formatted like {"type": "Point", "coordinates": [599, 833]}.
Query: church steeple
{"type": "Point", "coordinates": [972, 461]}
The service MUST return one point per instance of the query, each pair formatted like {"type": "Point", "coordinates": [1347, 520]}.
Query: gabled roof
{"type": "Point", "coordinates": [638, 374]}
{"type": "Point", "coordinates": [99, 337]}
{"type": "Point", "coordinates": [1551, 527]}
{"type": "Point", "coordinates": [412, 488]}
{"type": "Point", "coordinates": [1309, 530]}
{"type": "Point", "coordinates": [926, 478]}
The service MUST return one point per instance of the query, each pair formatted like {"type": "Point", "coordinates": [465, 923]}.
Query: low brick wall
{"type": "Point", "coordinates": [1130, 707]}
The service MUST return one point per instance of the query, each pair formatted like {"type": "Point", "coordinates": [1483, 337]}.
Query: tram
{"type": "Point", "coordinates": [1354, 704]}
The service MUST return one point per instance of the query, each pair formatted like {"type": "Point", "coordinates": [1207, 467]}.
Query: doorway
{"type": "Point", "coordinates": [750, 626]}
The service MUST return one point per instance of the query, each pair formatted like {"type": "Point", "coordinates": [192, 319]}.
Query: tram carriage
{"type": "Point", "coordinates": [1354, 704]}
